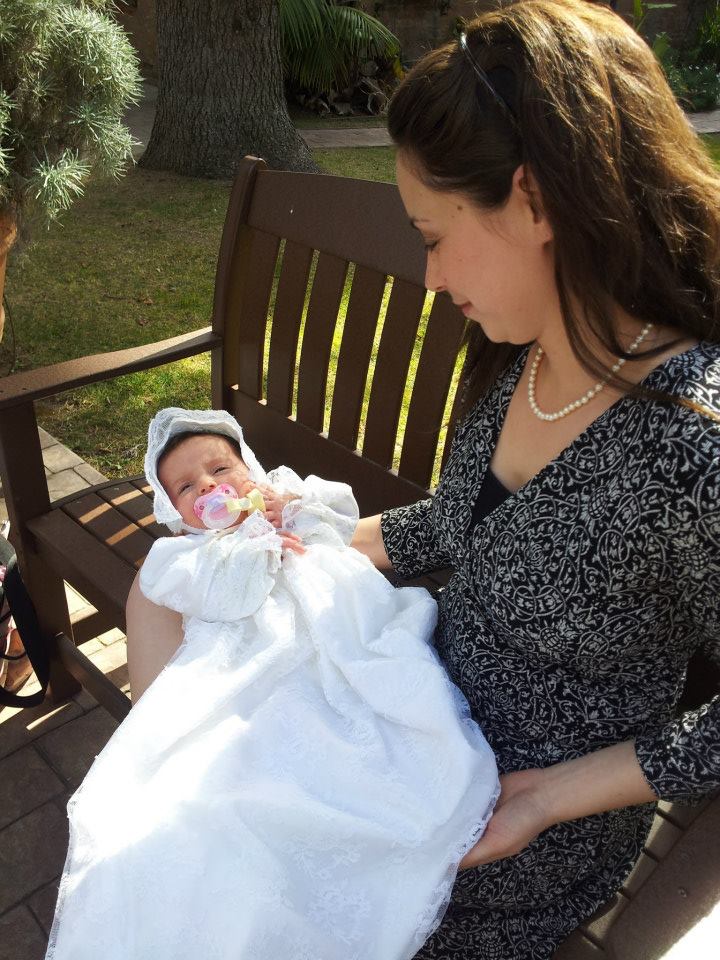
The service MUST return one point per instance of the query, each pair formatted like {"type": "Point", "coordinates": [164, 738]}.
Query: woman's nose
{"type": "Point", "coordinates": [433, 279]}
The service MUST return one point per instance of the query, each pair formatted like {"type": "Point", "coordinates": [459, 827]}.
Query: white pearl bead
{"type": "Point", "coordinates": [593, 392]}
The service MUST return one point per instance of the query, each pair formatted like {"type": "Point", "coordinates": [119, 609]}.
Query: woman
{"type": "Point", "coordinates": [573, 216]}
{"type": "Point", "coordinates": [566, 205]}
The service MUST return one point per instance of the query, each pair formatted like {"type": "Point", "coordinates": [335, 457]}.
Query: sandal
{"type": "Point", "coordinates": [15, 666]}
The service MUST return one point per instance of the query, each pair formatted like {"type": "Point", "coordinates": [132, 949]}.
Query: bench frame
{"type": "Point", "coordinates": [306, 229]}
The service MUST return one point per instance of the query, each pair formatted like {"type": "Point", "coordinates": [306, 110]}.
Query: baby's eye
{"type": "Point", "coordinates": [219, 469]}
{"type": "Point", "coordinates": [184, 488]}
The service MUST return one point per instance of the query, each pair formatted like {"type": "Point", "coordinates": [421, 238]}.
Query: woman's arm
{"type": "Point", "coordinates": [533, 800]}
{"type": "Point", "coordinates": [153, 635]}
{"type": "Point", "coordinates": [368, 539]}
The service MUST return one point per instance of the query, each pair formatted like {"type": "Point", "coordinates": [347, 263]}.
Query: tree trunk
{"type": "Point", "coordinates": [220, 93]}
{"type": "Point", "coordinates": [8, 232]}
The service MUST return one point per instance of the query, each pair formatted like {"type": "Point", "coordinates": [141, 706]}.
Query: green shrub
{"type": "Point", "coordinates": [67, 73]}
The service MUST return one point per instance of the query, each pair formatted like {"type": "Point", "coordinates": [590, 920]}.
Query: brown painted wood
{"type": "Point", "coordinates": [93, 679]}
{"type": "Point", "coordinates": [47, 381]}
{"type": "Point", "coordinates": [361, 321]}
{"type": "Point", "coordinates": [684, 888]}
{"type": "Point", "coordinates": [389, 379]}
{"type": "Point", "coordinates": [432, 383]}
{"type": "Point", "coordinates": [287, 317]}
{"type": "Point", "coordinates": [681, 814]}
{"type": "Point", "coordinates": [597, 929]}
{"type": "Point", "coordinates": [97, 573]}
{"type": "Point", "coordinates": [639, 874]}
{"type": "Point", "coordinates": [662, 838]}
{"type": "Point", "coordinates": [133, 504]}
{"type": "Point", "coordinates": [357, 220]}
{"type": "Point", "coordinates": [578, 947]}
{"type": "Point", "coordinates": [111, 527]}
{"type": "Point", "coordinates": [320, 324]}
{"type": "Point", "coordinates": [248, 302]}
{"type": "Point", "coordinates": [233, 243]}
{"type": "Point", "coordinates": [26, 497]}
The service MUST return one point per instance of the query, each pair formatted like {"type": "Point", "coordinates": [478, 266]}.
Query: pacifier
{"type": "Point", "coordinates": [220, 508]}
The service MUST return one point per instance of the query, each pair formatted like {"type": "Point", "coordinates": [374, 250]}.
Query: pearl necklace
{"type": "Point", "coordinates": [592, 392]}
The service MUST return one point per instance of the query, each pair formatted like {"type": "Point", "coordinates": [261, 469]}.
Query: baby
{"type": "Point", "coordinates": [302, 779]}
{"type": "Point", "coordinates": [204, 472]}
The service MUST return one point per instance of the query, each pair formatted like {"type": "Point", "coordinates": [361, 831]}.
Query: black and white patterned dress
{"type": "Point", "coordinates": [574, 607]}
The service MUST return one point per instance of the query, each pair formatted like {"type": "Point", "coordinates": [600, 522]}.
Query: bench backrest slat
{"type": "Point", "coordinates": [388, 386]}
{"type": "Point", "coordinates": [366, 295]}
{"type": "Point", "coordinates": [247, 304]}
{"type": "Point", "coordinates": [427, 412]}
{"type": "Point", "coordinates": [323, 309]}
{"type": "Point", "coordinates": [286, 320]}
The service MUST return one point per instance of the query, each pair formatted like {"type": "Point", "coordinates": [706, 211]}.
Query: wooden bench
{"type": "Point", "coordinates": [292, 245]}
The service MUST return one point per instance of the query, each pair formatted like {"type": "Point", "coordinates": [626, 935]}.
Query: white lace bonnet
{"type": "Point", "coordinates": [173, 420]}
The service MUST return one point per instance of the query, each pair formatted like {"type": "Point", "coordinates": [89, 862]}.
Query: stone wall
{"type": "Point", "coordinates": [420, 25]}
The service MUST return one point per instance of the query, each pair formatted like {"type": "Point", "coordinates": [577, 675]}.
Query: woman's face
{"type": "Point", "coordinates": [497, 265]}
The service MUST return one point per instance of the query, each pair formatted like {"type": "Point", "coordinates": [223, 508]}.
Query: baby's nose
{"type": "Point", "coordinates": [207, 485]}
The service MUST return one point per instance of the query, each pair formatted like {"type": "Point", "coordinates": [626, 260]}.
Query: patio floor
{"type": "Point", "coordinates": [44, 754]}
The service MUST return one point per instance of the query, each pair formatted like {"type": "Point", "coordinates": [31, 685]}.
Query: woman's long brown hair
{"type": "Point", "coordinates": [632, 196]}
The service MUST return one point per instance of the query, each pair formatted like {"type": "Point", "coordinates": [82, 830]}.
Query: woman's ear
{"type": "Point", "coordinates": [527, 192]}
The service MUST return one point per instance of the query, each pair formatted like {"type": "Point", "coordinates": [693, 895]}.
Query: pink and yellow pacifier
{"type": "Point", "coordinates": [220, 508]}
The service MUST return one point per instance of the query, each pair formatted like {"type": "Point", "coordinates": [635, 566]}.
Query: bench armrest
{"type": "Point", "coordinates": [21, 388]}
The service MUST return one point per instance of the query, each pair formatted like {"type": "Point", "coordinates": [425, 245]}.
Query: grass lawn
{"type": "Point", "coordinates": [132, 262]}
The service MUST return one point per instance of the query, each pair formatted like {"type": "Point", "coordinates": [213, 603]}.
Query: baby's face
{"type": "Point", "coordinates": [196, 467]}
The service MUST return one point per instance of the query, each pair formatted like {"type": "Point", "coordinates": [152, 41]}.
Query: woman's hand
{"type": "Point", "coordinates": [533, 800]}
{"type": "Point", "coordinates": [519, 816]}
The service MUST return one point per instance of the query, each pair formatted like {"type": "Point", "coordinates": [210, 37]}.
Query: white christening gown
{"type": "Point", "coordinates": [300, 781]}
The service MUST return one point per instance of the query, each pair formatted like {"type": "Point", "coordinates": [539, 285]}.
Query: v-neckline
{"type": "Point", "coordinates": [507, 391]}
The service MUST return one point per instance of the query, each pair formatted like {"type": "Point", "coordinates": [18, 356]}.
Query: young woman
{"type": "Point", "coordinates": [571, 213]}
{"type": "Point", "coordinates": [573, 216]}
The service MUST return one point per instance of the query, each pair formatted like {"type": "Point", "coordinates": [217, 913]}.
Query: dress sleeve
{"type": "Point", "coordinates": [411, 539]}
{"type": "Point", "coordinates": [322, 511]}
{"type": "Point", "coordinates": [681, 760]}
{"type": "Point", "coordinates": [215, 577]}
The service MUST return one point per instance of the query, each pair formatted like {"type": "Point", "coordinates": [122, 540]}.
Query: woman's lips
{"type": "Point", "coordinates": [466, 308]}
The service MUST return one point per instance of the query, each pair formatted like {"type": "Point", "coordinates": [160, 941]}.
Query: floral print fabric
{"type": "Point", "coordinates": [568, 623]}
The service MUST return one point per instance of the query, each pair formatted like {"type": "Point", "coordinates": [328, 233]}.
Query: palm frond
{"type": "Point", "coordinates": [323, 42]}
{"type": "Point", "coordinates": [302, 23]}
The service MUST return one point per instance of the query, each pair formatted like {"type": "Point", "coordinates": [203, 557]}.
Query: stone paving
{"type": "Point", "coordinates": [44, 754]}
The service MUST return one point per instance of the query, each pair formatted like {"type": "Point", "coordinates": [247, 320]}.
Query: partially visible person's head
{"type": "Point", "coordinates": [194, 463]}
{"type": "Point", "coordinates": [568, 93]}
